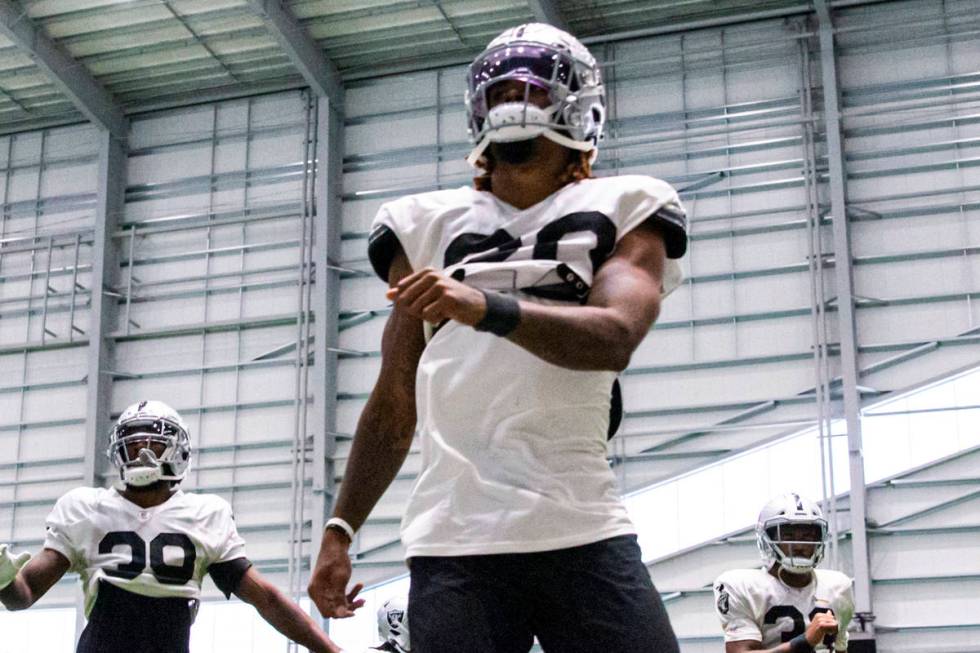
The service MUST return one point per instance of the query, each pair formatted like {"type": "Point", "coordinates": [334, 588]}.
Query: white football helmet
{"type": "Point", "coordinates": [150, 421]}
{"type": "Point", "coordinates": [553, 60]}
{"type": "Point", "coordinates": [791, 510]}
{"type": "Point", "coordinates": [393, 624]}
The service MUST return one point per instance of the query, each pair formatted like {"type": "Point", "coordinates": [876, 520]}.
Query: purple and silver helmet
{"type": "Point", "coordinates": [546, 57]}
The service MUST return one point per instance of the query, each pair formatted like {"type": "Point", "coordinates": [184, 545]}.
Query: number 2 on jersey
{"type": "Point", "coordinates": [164, 573]}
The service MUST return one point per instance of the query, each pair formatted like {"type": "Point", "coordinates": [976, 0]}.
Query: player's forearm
{"type": "Point", "coordinates": [381, 443]}
{"type": "Point", "coordinates": [286, 617]}
{"type": "Point", "coordinates": [17, 595]}
{"type": "Point", "coordinates": [578, 337]}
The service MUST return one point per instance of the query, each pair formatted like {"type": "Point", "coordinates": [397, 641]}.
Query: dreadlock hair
{"type": "Point", "coordinates": [577, 169]}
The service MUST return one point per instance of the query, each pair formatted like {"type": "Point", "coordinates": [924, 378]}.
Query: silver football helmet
{"type": "Point", "coordinates": [150, 422]}
{"type": "Point", "coordinates": [546, 57]}
{"type": "Point", "coordinates": [393, 624]}
{"type": "Point", "coordinates": [791, 510]}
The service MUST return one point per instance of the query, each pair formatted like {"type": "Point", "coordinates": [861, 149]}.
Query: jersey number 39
{"type": "Point", "coordinates": [163, 572]}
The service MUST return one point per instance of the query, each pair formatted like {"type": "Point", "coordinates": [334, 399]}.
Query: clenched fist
{"type": "Point", "coordinates": [823, 625]}
{"type": "Point", "coordinates": [432, 296]}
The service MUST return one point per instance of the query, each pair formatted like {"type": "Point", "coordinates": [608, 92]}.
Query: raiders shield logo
{"type": "Point", "coordinates": [395, 617]}
{"type": "Point", "coordinates": [723, 600]}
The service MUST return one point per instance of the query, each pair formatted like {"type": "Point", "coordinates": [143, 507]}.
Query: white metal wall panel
{"type": "Point", "coordinates": [47, 188]}
{"type": "Point", "coordinates": [209, 278]}
{"type": "Point", "coordinates": [907, 79]}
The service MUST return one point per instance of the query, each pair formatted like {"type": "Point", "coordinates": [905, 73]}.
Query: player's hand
{"type": "Point", "coordinates": [10, 564]}
{"type": "Point", "coordinates": [432, 296]}
{"type": "Point", "coordinates": [822, 625]}
{"type": "Point", "coordinates": [328, 583]}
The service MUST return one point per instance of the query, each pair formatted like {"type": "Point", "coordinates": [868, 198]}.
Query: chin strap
{"type": "Point", "coordinates": [552, 136]}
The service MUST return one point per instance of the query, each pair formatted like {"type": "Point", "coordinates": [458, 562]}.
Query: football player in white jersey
{"type": "Point", "coordinates": [393, 626]}
{"type": "Point", "coordinates": [515, 305]}
{"type": "Point", "coordinates": [142, 550]}
{"type": "Point", "coordinates": [789, 606]}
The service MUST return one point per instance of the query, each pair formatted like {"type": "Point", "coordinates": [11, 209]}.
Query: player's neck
{"type": "Point", "coordinates": [523, 185]}
{"type": "Point", "coordinates": [788, 578]}
{"type": "Point", "coordinates": [149, 496]}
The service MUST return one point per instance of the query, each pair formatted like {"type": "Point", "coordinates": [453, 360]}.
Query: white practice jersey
{"type": "Point", "coordinates": [754, 605]}
{"type": "Point", "coordinates": [163, 551]}
{"type": "Point", "coordinates": [513, 447]}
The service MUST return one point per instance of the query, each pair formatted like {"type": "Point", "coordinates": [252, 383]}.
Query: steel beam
{"type": "Point", "coordinates": [547, 11]}
{"type": "Point", "coordinates": [844, 277]}
{"type": "Point", "coordinates": [327, 228]}
{"type": "Point", "coordinates": [111, 178]}
{"type": "Point", "coordinates": [65, 72]}
{"type": "Point", "coordinates": [305, 54]}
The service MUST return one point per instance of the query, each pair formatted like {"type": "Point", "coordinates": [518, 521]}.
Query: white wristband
{"type": "Point", "coordinates": [342, 525]}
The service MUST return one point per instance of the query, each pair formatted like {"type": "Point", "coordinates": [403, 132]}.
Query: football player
{"type": "Point", "coordinates": [516, 302]}
{"type": "Point", "coordinates": [142, 549]}
{"type": "Point", "coordinates": [789, 606]}
{"type": "Point", "coordinates": [393, 626]}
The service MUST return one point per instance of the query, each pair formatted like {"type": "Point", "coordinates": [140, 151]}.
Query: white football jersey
{"type": "Point", "coordinates": [513, 447]}
{"type": "Point", "coordinates": [163, 551]}
{"type": "Point", "coordinates": [754, 605]}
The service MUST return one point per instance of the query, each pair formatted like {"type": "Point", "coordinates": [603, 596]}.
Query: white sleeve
{"type": "Point", "coordinates": [398, 218]}
{"type": "Point", "coordinates": [229, 544]}
{"type": "Point", "coordinates": [60, 527]}
{"type": "Point", "coordinates": [647, 199]}
{"type": "Point", "coordinates": [733, 610]}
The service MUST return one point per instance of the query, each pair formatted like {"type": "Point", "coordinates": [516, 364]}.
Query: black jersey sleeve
{"type": "Point", "coordinates": [671, 220]}
{"type": "Point", "coordinates": [382, 246]}
{"type": "Point", "coordinates": [228, 575]}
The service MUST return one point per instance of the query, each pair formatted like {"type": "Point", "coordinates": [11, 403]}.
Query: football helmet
{"type": "Point", "coordinates": [553, 60]}
{"type": "Point", "coordinates": [791, 510]}
{"type": "Point", "coordinates": [393, 624]}
{"type": "Point", "coordinates": [150, 422]}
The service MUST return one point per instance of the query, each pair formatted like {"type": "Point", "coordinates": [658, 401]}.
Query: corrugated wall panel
{"type": "Point", "coordinates": [47, 188]}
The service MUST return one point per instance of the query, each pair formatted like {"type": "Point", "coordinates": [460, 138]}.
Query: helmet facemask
{"type": "Point", "coordinates": [575, 112]}
{"type": "Point", "coordinates": [148, 448]}
{"type": "Point", "coordinates": [796, 547]}
{"type": "Point", "coordinates": [792, 532]}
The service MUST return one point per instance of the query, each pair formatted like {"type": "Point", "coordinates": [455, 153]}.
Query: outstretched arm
{"type": "Point", "coordinates": [284, 615]}
{"type": "Point", "coordinates": [34, 579]}
{"type": "Point", "coordinates": [623, 303]}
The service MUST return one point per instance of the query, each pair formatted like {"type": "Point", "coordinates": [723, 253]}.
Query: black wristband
{"type": "Point", "coordinates": [799, 645]}
{"type": "Point", "coordinates": [503, 314]}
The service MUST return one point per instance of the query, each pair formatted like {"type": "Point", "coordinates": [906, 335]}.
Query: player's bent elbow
{"type": "Point", "coordinates": [619, 360]}
{"type": "Point", "coordinates": [624, 342]}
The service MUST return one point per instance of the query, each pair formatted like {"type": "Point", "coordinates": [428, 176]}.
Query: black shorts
{"type": "Point", "coordinates": [125, 622]}
{"type": "Point", "coordinates": [596, 598]}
